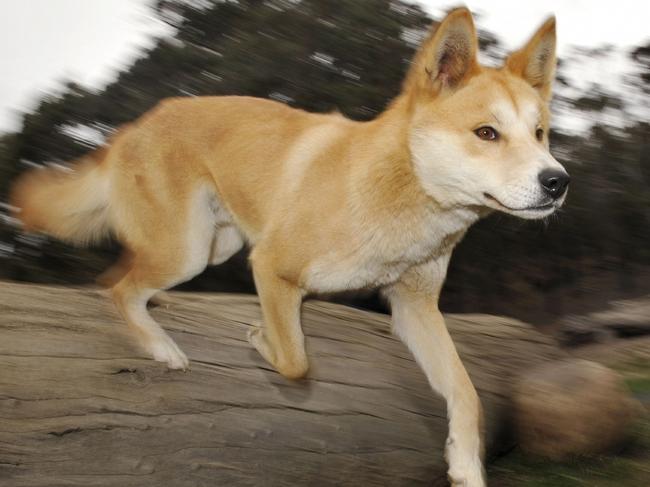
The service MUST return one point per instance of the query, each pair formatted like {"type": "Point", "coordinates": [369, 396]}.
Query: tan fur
{"type": "Point", "coordinates": [71, 206]}
{"type": "Point", "coordinates": [327, 204]}
{"type": "Point", "coordinates": [533, 61]}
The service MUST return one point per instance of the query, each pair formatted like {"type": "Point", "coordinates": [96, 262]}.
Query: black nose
{"type": "Point", "coordinates": [554, 182]}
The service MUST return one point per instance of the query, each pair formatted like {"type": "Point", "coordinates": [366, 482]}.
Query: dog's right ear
{"type": "Point", "coordinates": [535, 62]}
{"type": "Point", "coordinates": [447, 56]}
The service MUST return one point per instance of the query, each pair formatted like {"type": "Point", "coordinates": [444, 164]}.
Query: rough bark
{"type": "Point", "coordinates": [81, 405]}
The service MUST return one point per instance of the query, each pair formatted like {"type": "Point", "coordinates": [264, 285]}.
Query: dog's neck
{"type": "Point", "coordinates": [388, 187]}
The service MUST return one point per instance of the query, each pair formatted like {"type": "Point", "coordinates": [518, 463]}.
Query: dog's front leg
{"type": "Point", "coordinates": [420, 325]}
{"type": "Point", "coordinates": [280, 339]}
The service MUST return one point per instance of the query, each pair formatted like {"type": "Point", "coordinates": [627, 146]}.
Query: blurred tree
{"type": "Point", "coordinates": [350, 56]}
{"type": "Point", "coordinates": [641, 55]}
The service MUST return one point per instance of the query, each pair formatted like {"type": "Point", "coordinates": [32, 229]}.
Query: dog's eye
{"type": "Point", "coordinates": [486, 133]}
{"type": "Point", "coordinates": [539, 134]}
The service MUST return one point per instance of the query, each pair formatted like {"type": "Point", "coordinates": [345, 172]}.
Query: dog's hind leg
{"type": "Point", "coordinates": [157, 268]}
{"type": "Point", "coordinates": [420, 325]}
{"type": "Point", "coordinates": [175, 248]}
{"type": "Point", "coordinates": [280, 340]}
{"type": "Point", "coordinates": [116, 272]}
{"type": "Point", "coordinates": [131, 295]}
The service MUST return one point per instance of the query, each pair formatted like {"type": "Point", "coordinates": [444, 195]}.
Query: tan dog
{"type": "Point", "coordinates": [327, 204]}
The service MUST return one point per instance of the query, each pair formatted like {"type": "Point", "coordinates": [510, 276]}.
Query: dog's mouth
{"type": "Point", "coordinates": [550, 205]}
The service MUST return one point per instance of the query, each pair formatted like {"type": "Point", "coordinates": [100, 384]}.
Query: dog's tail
{"type": "Point", "coordinates": [69, 204]}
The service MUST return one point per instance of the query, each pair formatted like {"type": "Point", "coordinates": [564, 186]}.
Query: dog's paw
{"type": "Point", "coordinates": [162, 299]}
{"type": "Point", "coordinates": [256, 338]}
{"type": "Point", "coordinates": [252, 333]}
{"type": "Point", "coordinates": [164, 349]}
{"type": "Point", "coordinates": [291, 367]}
{"type": "Point", "coordinates": [466, 479]}
{"type": "Point", "coordinates": [465, 469]}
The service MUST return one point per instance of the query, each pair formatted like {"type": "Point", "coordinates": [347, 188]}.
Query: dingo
{"type": "Point", "coordinates": [327, 204]}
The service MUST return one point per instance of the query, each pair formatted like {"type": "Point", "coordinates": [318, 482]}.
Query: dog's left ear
{"type": "Point", "coordinates": [535, 62]}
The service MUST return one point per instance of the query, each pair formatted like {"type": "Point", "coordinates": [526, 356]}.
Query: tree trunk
{"type": "Point", "coordinates": [81, 405]}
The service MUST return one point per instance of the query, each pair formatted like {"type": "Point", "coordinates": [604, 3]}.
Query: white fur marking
{"type": "Point", "coordinates": [382, 259]}
{"type": "Point", "coordinates": [227, 242]}
{"type": "Point", "coordinates": [212, 235]}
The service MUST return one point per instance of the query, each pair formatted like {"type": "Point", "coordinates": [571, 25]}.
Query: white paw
{"type": "Point", "coordinates": [256, 338]}
{"type": "Point", "coordinates": [252, 333]}
{"type": "Point", "coordinates": [466, 479]}
{"type": "Point", "coordinates": [465, 469]}
{"type": "Point", "coordinates": [164, 349]}
{"type": "Point", "coordinates": [161, 298]}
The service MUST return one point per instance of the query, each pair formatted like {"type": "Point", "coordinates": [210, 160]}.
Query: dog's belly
{"type": "Point", "coordinates": [328, 274]}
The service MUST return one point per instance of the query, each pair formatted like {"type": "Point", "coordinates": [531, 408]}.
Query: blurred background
{"type": "Point", "coordinates": [73, 71]}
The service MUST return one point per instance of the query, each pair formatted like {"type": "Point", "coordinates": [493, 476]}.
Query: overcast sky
{"type": "Point", "coordinates": [45, 41]}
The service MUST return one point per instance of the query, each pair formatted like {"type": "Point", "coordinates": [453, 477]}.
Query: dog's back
{"type": "Point", "coordinates": [239, 148]}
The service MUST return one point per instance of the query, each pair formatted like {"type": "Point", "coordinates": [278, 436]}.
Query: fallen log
{"type": "Point", "coordinates": [628, 318]}
{"type": "Point", "coordinates": [81, 405]}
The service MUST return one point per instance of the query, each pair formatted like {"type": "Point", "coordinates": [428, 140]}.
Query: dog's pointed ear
{"type": "Point", "coordinates": [448, 55]}
{"type": "Point", "coordinates": [535, 62]}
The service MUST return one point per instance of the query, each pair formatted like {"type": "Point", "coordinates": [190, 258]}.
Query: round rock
{"type": "Point", "coordinates": [572, 407]}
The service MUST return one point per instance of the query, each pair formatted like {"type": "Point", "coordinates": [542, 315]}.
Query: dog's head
{"type": "Point", "coordinates": [479, 136]}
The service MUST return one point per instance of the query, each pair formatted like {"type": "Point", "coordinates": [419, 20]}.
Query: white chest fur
{"type": "Point", "coordinates": [380, 255]}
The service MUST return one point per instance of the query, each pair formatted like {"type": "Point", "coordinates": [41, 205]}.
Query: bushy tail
{"type": "Point", "coordinates": [71, 205]}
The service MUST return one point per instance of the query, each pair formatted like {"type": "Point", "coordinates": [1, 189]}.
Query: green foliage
{"type": "Point", "coordinates": [626, 470]}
